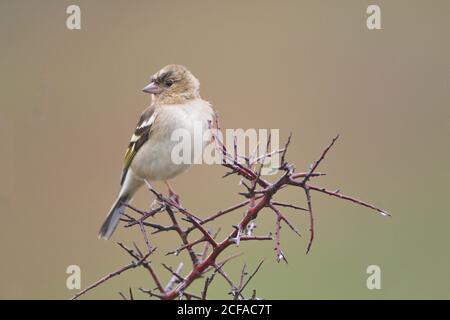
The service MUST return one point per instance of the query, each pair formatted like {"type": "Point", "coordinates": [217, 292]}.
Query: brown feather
{"type": "Point", "coordinates": [140, 136]}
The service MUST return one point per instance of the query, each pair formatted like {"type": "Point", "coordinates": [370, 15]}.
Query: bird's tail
{"type": "Point", "coordinates": [112, 220]}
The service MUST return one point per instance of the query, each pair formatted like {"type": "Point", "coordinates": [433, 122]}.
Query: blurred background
{"type": "Point", "coordinates": [71, 98]}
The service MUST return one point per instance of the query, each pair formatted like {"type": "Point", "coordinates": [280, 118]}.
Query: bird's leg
{"type": "Point", "coordinates": [172, 195]}
{"type": "Point", "coordinates": [156, 202]}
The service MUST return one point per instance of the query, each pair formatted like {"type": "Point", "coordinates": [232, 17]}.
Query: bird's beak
{"type": "Point", "coordinates": [152, 87]}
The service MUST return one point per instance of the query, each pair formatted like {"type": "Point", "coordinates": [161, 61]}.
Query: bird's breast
{"type": "Point", "coordinates": [175, 141]}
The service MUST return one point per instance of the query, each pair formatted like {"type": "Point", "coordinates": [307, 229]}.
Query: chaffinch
{"type": "Point", "coordinates": [176, 104]}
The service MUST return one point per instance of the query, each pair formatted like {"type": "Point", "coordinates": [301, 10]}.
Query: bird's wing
{"type": "Point", "coordinates": [140, 136]}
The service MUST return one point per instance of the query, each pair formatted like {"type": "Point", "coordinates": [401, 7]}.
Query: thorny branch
{"type": "Point", "coordinates": [259, 194]}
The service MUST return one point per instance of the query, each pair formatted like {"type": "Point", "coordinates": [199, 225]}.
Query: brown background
{"type": "Point", "coordinates": [70, 100]}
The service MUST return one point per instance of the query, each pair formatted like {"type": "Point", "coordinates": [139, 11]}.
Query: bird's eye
{"type": "Point", "coordinates": [168, 82]}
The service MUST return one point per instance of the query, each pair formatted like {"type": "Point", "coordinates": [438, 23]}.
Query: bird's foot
{"type": "Point", "coordinates": [174, 197]}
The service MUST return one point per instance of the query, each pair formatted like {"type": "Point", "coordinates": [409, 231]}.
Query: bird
{"type": "Point", "coordinates": [175, 104]}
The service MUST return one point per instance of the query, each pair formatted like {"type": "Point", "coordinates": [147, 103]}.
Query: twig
{"type": "Point", "coordinates": [318, 161]}
{"type": "Point", "coordinates": [175, 276]}
{"type": "Point", "coordinates": [132, 265]}
{"type": "Point", "coordinates": [147, 265]}
{"type": "Point", "coordinates": [311, 220]}
{"type": "Point", "coordinates": [339, 195]}
{"type": "Point", "coordinates": [242, 287]}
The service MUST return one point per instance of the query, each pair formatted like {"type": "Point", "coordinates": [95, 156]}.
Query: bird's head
{"type": "Point", "coordinates": [173, 84]}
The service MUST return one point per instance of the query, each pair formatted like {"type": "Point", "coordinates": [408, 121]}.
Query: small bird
{"type": "Point", "coordinates": [176, 104]}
